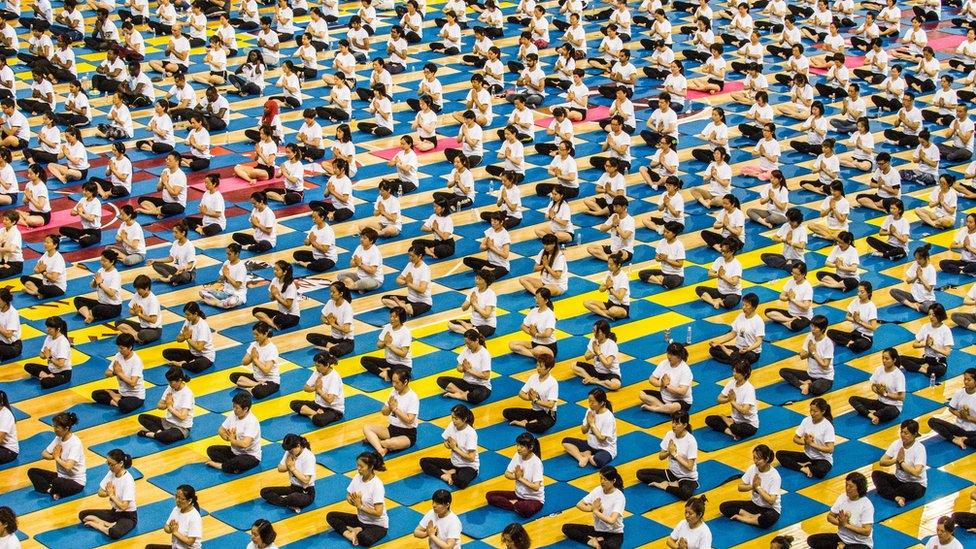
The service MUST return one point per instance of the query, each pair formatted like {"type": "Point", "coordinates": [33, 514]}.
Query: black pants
{"type": "Point", "coordinates": [582, 533]}
{"type": "Point", "coordinates": [738, 430]}
{"type": "Point", "coordinates": [84, 237]}
{"type": "Point", "coordinates": [196, 163]}
{"type": "Point", "coordinates": [369, 534]}
{"type": "Point", "coordinates": [441, 248]}
{"type": "Point", "coordinates": [44, 289]}
{"type": "Point", "coordinates": [106, 185]}
{"type": "Point", "coordinates": [728, 300]}
{"type": "Point", "coordinates": [683, 491]}
{"type": "Point", "coordinates": [964, 520]}
{"type": "Point", "coordinates": [229, 461]}
{"type": "Point", "coordinates": [338, 214]}
{"type": "Point", "coordinates": [192, 222]}
{"type": "Point", "coordinates": [337, 347]}
{"type": "Point", "coordinates": [767, 515]}
{"type": "Point", "coordinates": [796, 323]}
{"type": "Point", "coordinates": [537, 421]}
{"type": "Point", "coordinates": [793, 460]}
{"type": "Point", "coordinates": [323, 416]}
{"type": "Point", "coordinates": [48, 482]}
{"type": "Point", "coordinates": [124, 521]}
{"type": "Point", "coordinates": [435, 467]}
{"type": "Point", "coordinates": [293, 497]}
{"type": "Point", "coordinates": [262, 390]}
{"type": "Point", "coordinates": [831, 541]}
{"type": "Point", "coordinates": [11, 350]}
{"type": "Point", "coordinates": [6, 455]}
{"type": "Point", "coordinates": [169, 271]}
{"type": "Point", "coordinates": [721, 354]}
{"type": "Point", "coordinates": [126, 404]}
{"type": "Point", "coordinates": [669, 282]}
{"type": "Point", "coordinates": [161, 433]}
{"type": "Point", "coordinates": [376, 365]}
{"type": "Point", "coordinates": [11, 268]}
{"type": "Point", "coordinates": [796, 378]}
{"type": "Point", "coordinates": [59, 378]}
{"type": "Point", "coordinates": [251, 244]}
{"type": "Point", "coordinates": [890, 487]}
{"type": "Point", "coordinates": [935, 365]}
{"type": "Point", "coordinates": [191, 362]}
{"type": "Point", "coordinates": [957, 266]}
{"type": "Point", "coordinates": [477, 264]}
{"type": "Point", "coordinates": [863, 406]}
{"type": "Point", "coordinates": [317, 265]}
{"type": "Point", "coordinates": [476, 393]}
{"type": "Point", "coordinates": [282, 321]}
{"type": "Point", "coordinates": [949, 431]}
{"type": "Point", "coordinates": [888, 251]}
{"type": "Point", "coordinates": [288, 196]}
{"type": "Point", "coordinates": [168, 209]}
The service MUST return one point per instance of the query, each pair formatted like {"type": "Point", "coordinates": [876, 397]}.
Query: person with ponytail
{"type": "Point", "coordinates": [366, 493]}
{"type": "Point", "coordinates": [671, 381]}
{"type": "Point", "coordinates": [740, 394]}
{"type": "Point", "coordinates": [50, 277]}
{"type": "Point", "coordinates": [602, 360]}
{"type": "Point", "coordinates": [243, 431]}
{"type": "Point", "coordinates": [440, 526]}
{"type": "Point", "coordinates": [540, 325]}
{"type": "Point", "coordinates": [680, 448]}
{"type": "Point", "coordinates": [525, 469]}
{"type": "Point", "coordinates": [178, 402]}
{"type": "Point", "coordinates": [781, 542]}
{"type": "Point", "coordinates": [180, 264]}
{"type": "Point", "coordinates": [818, 350]}
{"type": "Point", "coordinates": [9, 445]}
{"type": "Point", "coordinates": [853, 515]}
{"type": "Point", "coordinates": [474, 363]}
{"type": "Point", "coordinates": [330, 403]}
{"type": "Point", "coordinates": [337, 315]}
{"type": "Point", "coordinates": [888, 383]}
{"type": "Point", "coordinates": [262, 531]}
{"type": "Point", "coordinates": [68, 454]}
{"type": "Point", "coordinates": [126, 367]}
{"type": "Point", "coordinates": [551, 265]}
{"type": "Point", "coordinates": [299, 463]}
{"type": "Point", "coordinates": [921, 274]}
{"type": "Point", "coordinates": [862, 313]}
{"type": "Point", "coordinates": [56, 352]}
{"type": "Point", "coordinates": [107, 283]}
{"type": "Point", "coordinates": [909, 458]}
{"type": "Point", "coordinates": [606, 502]}
{"type": "Point", "coordinates": [8, 529]}
{"type": "Point", "coordinates": [264, 379]}
{"type": "Point", "coordinates": [692, 532]}
{"type": "Point", "coordinates": [936, 341]}
{"type": "Point", "coordinates": [461, 439]}
{"type": "Point", "coordinates": [120, 489]}
{"type": "Point", "coordinates": [284, 293]}
{"type": "Point", "coordinates": [542, 390]}
{"type": "Point", "coordinates": [514, 535]}
{"type": "Point", "coordinates": [962, 406]}
{"type": "Point", "coordinates": [402, 409]}
{"type": "Point", "coordinates": [230, 288]}
{"type": "Point", "coordinates": [763, 482]}
{"type": "Point", "coordinates": [200, 353]}
{"type": "Point", "coordinates": [600, 428]}
{"type": "Point", "coordinates": [11, 345]}
{"type": "Point", "coordinates": [944, 537]}
{"type": "Point", "coordinates": [184, 523]}
{"type": "Point", "coordinates": [416, 278]}
{"type": "Point", "coordinates": [816, 435]}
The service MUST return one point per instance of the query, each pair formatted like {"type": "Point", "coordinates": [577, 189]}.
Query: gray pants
{"type": "Point", "coordinates": [963, 320]}
{"type": "Point", "coordinates": [903, 297]}
{"type": "Point", "coordinates": [772, 218]}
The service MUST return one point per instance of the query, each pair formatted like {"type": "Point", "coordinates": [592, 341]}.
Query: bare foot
{"type": "Point", "coordinates": [960, 442]}
{"type": "Point", "coordinates": [583, 461]}
{"type": "Point", "coordinates": [805, 388]}
{"type": "Point", "coordinates": [900, 501]}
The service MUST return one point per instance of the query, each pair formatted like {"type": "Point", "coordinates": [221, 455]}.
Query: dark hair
{"type": "Point", "coordinates": [911, 426]}
{"type": "Point", "coordinates": [441, 497]}
{"type": "Point", "coordinates": [939, 311]}
{"type": "Point", "coordinates": [697, 504]}
{"type": "Point", "coordinates": [743, 367]}
{"type": "Point", "coordinates": [142, 282]}
{"type": "Point", "coordinates": [110, 255]}
{"type": "Point", "coordinates": [372, 460]}
{"type": "Point", "coordinates": [610, 473]}
{"type": "Point", "coordinates": [947, 522]}
{"type": "Point", "coordinates": [118, 456]}
{"type": "Point", "coordinates": [292, 441]}
{"type": "Point", "coordinates": [846, 237]}
{"type": "Point", "coordinates": [604, 328]}
{"type": "Point", "coordinates": [922, 252]}
{"type": "Point", "coordinates": [289, 276]}
{"type": "Point", "coordinates": [125, 340]}
{"type": "Point", "coordinates": [65, 420]}
{"type": "Point", "coordinates": [752, 299]}
{"type": "Point", "coordinates": [681, 416]}
{"type": "Point", "coordinates": [175, 373]}
{"type": "Point", "coordinates": [6, 296]}
{"type": "Point", "coordinates": [546, 294]}
{"type": "Point", "coordinates": [194, 308]}
{"type": "Point", "coordinates": [243, 400]}
{"type": "Point", "coordinates": [783, 541]}
{"type": "Point", "coordinates": [402, 373]}
{"type": "Point", "coordinates": [325, 358]}
{"type": "Point", "coordinates": [474, 335]}
{"type": "Point", "coordinates": [600, 396]}
{"type": "Point", "coordinates": [517, 535]}
{"type": "Point", "coordinates": [824, 407]}
{"type": "Point", "coordinates": [57, 323]}
{"type": "Point", "coordinates": [547, 361]}
{"type": "Point", "coordinates": [262, 328]}
{"type": "Point", "coordinates": [4, 400]}
{"type": "Point", "coordinates": [266, 532]}
{"type": "Point", "coordinates": [400, 313]}
{"type": "Point", "coordinates": [859, 481]}
{"type": "Point", "coordinates": [190, 493]}
{"type": "Point", "coordinates": [341, 287]}
{"type": "Point", "coordinates": [463, 412]}
{"type": "Point", "coordinates": [677, 349]}
{"type": "Point", "coordinates": [764, 452]}
{"type": "Point", "coordinates": [9, 520]}
{"type": "Point", "coordinates": [529, 441]}
{"type": "Point", "coordinates": [820, 321]}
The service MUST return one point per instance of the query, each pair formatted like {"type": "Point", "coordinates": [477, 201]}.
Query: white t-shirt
{"type": "Point", "coordinates": [941, 337]}
{"type": "Point", "coordinates": [343, 316]}
{"type": "Point", "coordinates": [861, 512]}
{"type": "Point", "coordinates": [547, 390]}
{"type": "Point", "coordinates": [131, 367]}
{"type": "Point", "coordinates": [419, 275]}
{"type": "Point", "coordinates": [305, 463]}
{"type": "Point", "coordinates": [928, 274]}
{"type": "Point", "coordinates": [770, 481]}
{"type": "Point", "coordinates": [201, 332]}
{"type": "Point", "coordinates": [825, 348]}
{"type": "Point", "coordinates": [373, 258]}
{"type": "Point", "coordinates": [59, 348]}
{"type": "Point", "coordinates": [822, 432]}
{"type": "Point", "coordinates": [189, 524]}
{"type": "Point", "coordinates": [613, 502]}
{"type": "Point", "coordinates": [748, 330]}
{"type": "Point", "coordinates": [696, 538]}
{"type": "Point", "coordinates": [499, 238]}
{"type": "Point", "coordinates": [290, 293]}
{"type": "Point", "coordinates": [687, 447]}
{"type": "Point", "coordinates": [680, 376]}
{"type": "Point", "coordinates": [371, 492]}
{"type": "Point", "coordinates": [182, 254]}
{"type": "Point", "coordinates": [894, 382]}
{"type": "Point", "coordinates": [247, 427]}
{"type": "Point", "coordinates": [10, 320]}
{"type": "Point", "coordinates": [150, 307]}
{"type": "Point", "coordinates": [732, 268]}
{"type": "Point", "coordinates": [959, 399]}
{"type": "Point", "coordinates": [215, 202]}
{"type": "Point", "coordinates": [606, 423]}
{"type": "Point", "coordinates": [125, 489]}
{"type": "Point", "coordinates": [532, 472]}
{"type": "Point", "coordinates": [486, 299]}
{"type": "Point", "coordinates": [267, 352]}
{"type": "Point", "coordinates": [914, 456]}
{"type": "Point", "coordinates": [408, 403]}
{"type": "Point", "coordinates": [71, 450]}
{"type": "Point", "coordinates": [331, 384]}
{"type": "Point", "coordinates": [113, 280]}
{"type": "Point", "coordinates": [744, 394]}
{"type": "Point", "coordinates": [182, 400]}
{"type": "Point", "coordinates": [8, 426]}
{"type": "Point", "coordinates": [398, 338]}
{"type": "Point", "coordinates": [467, 440]}
{"type": "Point", "coordinates": [542, 320]}
{"type": "Point", "coordinates": [448, 527]}
{"type": "Point", "coordinates": [801, 292]}
{"type": "Point", "coordinates": [479, 362]}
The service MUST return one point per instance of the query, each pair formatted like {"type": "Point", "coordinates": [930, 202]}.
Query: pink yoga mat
{"type": "Point", "coordinates": [442, 143]}
{"type": "Point", "coordinates": [593, 113]}
{"type": "Point", "coordinates": [234, 183]}
{"type": "Point", "coordinates": [729, 88]}
{"type": "Point", "coordinates": [947, 42]}
{"type": "Point", "coordinates": [851, 62]}
{"type": "Point", "coordinates": [62, 218]}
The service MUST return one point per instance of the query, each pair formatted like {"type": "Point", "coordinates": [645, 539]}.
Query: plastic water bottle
{"type": "Point", "coordinates": [667, 335]}
{"type": "Point", "coordinates": [932, 380]}
{"type": "Point", "coordinates": [688, 337]}
{"type": "Point", "coordinates": [579, 239]}
{"type": "Point", "coordinates": [491, 187]}
{"type": "Point", "coordinates": [399, 191]}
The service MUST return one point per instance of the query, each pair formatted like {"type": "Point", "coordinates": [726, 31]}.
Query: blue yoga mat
{"type": "Point", "coordinates": [640, 309]}
{"type": "Point", "coordinates": [642, 498]}
{"type": "Point", "coordinates": [329, 490]}
{"type": "Point", "coordinates": [343, 458]}
{"type": "Point", "coordinates": [25, 388]}
{"type": "Point", "coordinates": [403, 521]}
{"type": "Point", "coordinates": [511, 363]}
{"type": "Point", "coordinates": [693, 275]}
{"type": "Point", "coordinates": [275, 428]}
{"type": "Point", "coordinates": [631, 446]}
{"type": "Point", "coordinates": [853, 426]}
{"type": "Point", "coordinates": [704, 397]}
{"type": "Point", "coordinates": [502, 435]}
{"type": "Point", "coordinates": [889, 538]}
{"type": "Point", "coordinates": [940, 484]}
{"type": "Point", "coordinates": [638, 531]}
{"type": "Point", "coordinates": [152, 517]}
{"type": "Point", "coordinates": [207, 477]}
{"type": "Point", "coordinates": [30, 450]}
{"type": "Point", "coordinates": [504, 324]}
{"type": "Point", "coordinates": [940, 451]}
{"type": "Point", "coordinates": [443, 301]}
{"type": "Point", "coordinates": [781, 392]}
{"type": "Point", "coordinates": [204, 426]}
{"type": "Point", "coordinates": [26, 500]}
{"type": "Point", "coordinates": [487, 521]}
{"type": "Point", "coordinates": [465, 280]}
{"type": "Point", "coordinates": [887, 335]}
{"type": "Point", "coordinates": [848, 456]}
{"type": "Point", "coordinates": [523, 301]}
{"type": "Point", "coordinates": [439, 406]}
{"type": "Point", "coordinates": [796, 508]}
{"type": "Point", "coordinates": [418, 488]}
{"type": "Point", "coordinates": [224, 359]}
{"type": "Point", "coordinates": [91, 414]}
{"type": "Point", "coordinates": [771, 420]}
{"type": "Point", "coordinates": [633, 371]}
{"type": "Point", "coordinates": [653, 344]}
{"type": "Point", "coordinates": [220, 402]}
